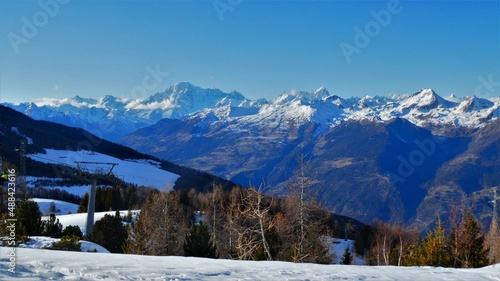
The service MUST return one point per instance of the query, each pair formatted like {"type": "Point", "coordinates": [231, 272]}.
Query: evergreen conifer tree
{"type": "Point", "coordinates": [433, 250]}
{"type": "Point", "coordinates": [472, 251]}
{"type": "Point", "coordinates": [110, 233]}
{"type": "Point", "coordinates": [198, 244]}
{"type": "Point", "coordinates": [346, 257]}
{"type": "Point", "coordinates": [29, 218]}
{"type": "Point", "coordinates": [72, 231]}
{"type": "Point", "coordinates": [52, 227]}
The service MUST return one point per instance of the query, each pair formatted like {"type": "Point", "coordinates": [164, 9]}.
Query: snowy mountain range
{"type": "Point", "coordinates": [113, 117]}
{"type": "Point", "coordinates": [399, 158]}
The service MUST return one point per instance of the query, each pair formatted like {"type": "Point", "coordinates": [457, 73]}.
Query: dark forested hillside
{"type": "Point", "coordinates": [40, 135]}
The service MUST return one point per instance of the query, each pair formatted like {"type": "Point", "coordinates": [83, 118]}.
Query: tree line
{"type": "Point", "coordinates": [245, 224]}
{"type": "Point", "coordinates": [239, 224]}
{"type": "Point", "coordinates": [463, 245]}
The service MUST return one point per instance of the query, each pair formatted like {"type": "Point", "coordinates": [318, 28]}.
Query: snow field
{"type": "Point", "coordinates": [140, 172]}
{"type": "Point", "coordinates": [62, 207]}
{"type": "Point", "coordinates": [35, 264]}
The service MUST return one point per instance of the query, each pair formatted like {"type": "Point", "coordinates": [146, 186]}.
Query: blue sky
{"type": "Point", "coordinates": [259, 48]}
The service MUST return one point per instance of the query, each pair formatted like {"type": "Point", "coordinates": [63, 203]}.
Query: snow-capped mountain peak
{"type": "Point", "coordinates": [79, 99]}
{"type": "Point", "coordinates": [424, 108]}
{"type": "Point", "coordinates": [426, 99]}
{"type": "Point", "coordinates": [320, 93]}
{"type": "Point", "coordinates": [302, 96]}
{"type": "Point", "coordinates": [473, 103]}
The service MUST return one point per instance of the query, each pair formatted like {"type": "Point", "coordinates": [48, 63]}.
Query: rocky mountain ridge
{"type": "Point", "coordinates": [115, 117]}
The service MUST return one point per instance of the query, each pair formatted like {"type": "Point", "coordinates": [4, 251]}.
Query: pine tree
{"type": "Point", "coordinates": [52, 227]}
{"type": "Point", "coordinates": [52, 209]}
{"type": "Point", "coordinates": [346, 257]}
{"type": "Point", "coordinates": [433, 250]}
{"type": "Point", "coordinates": [198, 244]}
{"type": "Point", "coordinates": [29, 218]}
{"type": "Point", "coordinates": [412, 256]}
{"type": "Point", "coordinates": [72, 231]}
{"type": "Point", "coordinates": [110, 233]}
{"type": "Point", "coordinates": [472, 251]}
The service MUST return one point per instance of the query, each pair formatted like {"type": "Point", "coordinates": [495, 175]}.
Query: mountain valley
{"type": "Point", "coordinates": [400, 158]}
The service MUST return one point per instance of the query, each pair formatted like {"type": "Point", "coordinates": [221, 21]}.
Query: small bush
{"type": "Point", "coordinates": [73, 230]}
{"type": "Point", "coordinates": [67, 243]}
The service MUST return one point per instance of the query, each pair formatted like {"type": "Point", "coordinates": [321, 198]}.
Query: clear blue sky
{"type": "Point", "coordinates": [259, 48]}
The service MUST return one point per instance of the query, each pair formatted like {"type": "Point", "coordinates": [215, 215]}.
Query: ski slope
{"type": "Point", "coordinates": [36, 264]}
{"type": "Point", "coordinates": [141, 172]}
{"type": "Point", "coordinates": [62, 208]}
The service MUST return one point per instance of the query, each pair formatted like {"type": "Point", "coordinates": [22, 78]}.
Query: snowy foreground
{"type": "Point", "coordinates": [35, 264]}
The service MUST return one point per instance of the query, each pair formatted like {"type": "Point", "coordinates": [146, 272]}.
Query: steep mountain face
{"type": "Point", "coordinates": [468, 179]}
{"type": "Point", "coordinates": [365, 170]}
{"type": "Point", "coordinates": [400, 158]}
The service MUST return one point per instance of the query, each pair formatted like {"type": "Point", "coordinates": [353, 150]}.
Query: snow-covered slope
{"type": "Point", "coordinates": [61, 207]}
{"type": "Point", "coordinates": [34, 264]}
{"type": "Point", "coordinates": [115, 117]}
{"type": "Point", "coordinates": [57, 183]}
{"type": "Point", "coordinates": [80, 219]}
{"type": "Point", "coordinates": [140, 172]}
{"type": "Point", "coordinates": [337, 248]}
{"type": "Point", "coordinates": [40, 242]}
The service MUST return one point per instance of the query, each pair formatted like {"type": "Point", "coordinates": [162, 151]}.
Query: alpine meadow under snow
{"type": "Point", "coordinates": [35, 264]}
{"type": "Point", "coordinates": [140, 172]}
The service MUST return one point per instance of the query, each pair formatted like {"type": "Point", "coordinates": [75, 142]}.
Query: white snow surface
{"type": "Point", "coordinates": [34, 263]}
{"type": "Point", "coordinates": [140, 172]}
{"type": "Point", "coordinates": [41, 242]}
{"type": "Point", "coordinates": [37, 264]}
{"type": "Point", "coordinates": [78, 190]}
{"type": "Point", "coordinates": [337, 248]}
{"type": "Point", "coordinates": [80, 219]}
{"type": "Point", "coordinates": [62, 207]}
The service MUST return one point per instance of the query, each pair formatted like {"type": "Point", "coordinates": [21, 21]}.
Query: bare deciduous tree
{"type": "Point", "coordinates": [160, 227]}
{"type": "Point", "coordinates": [256, 214]}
